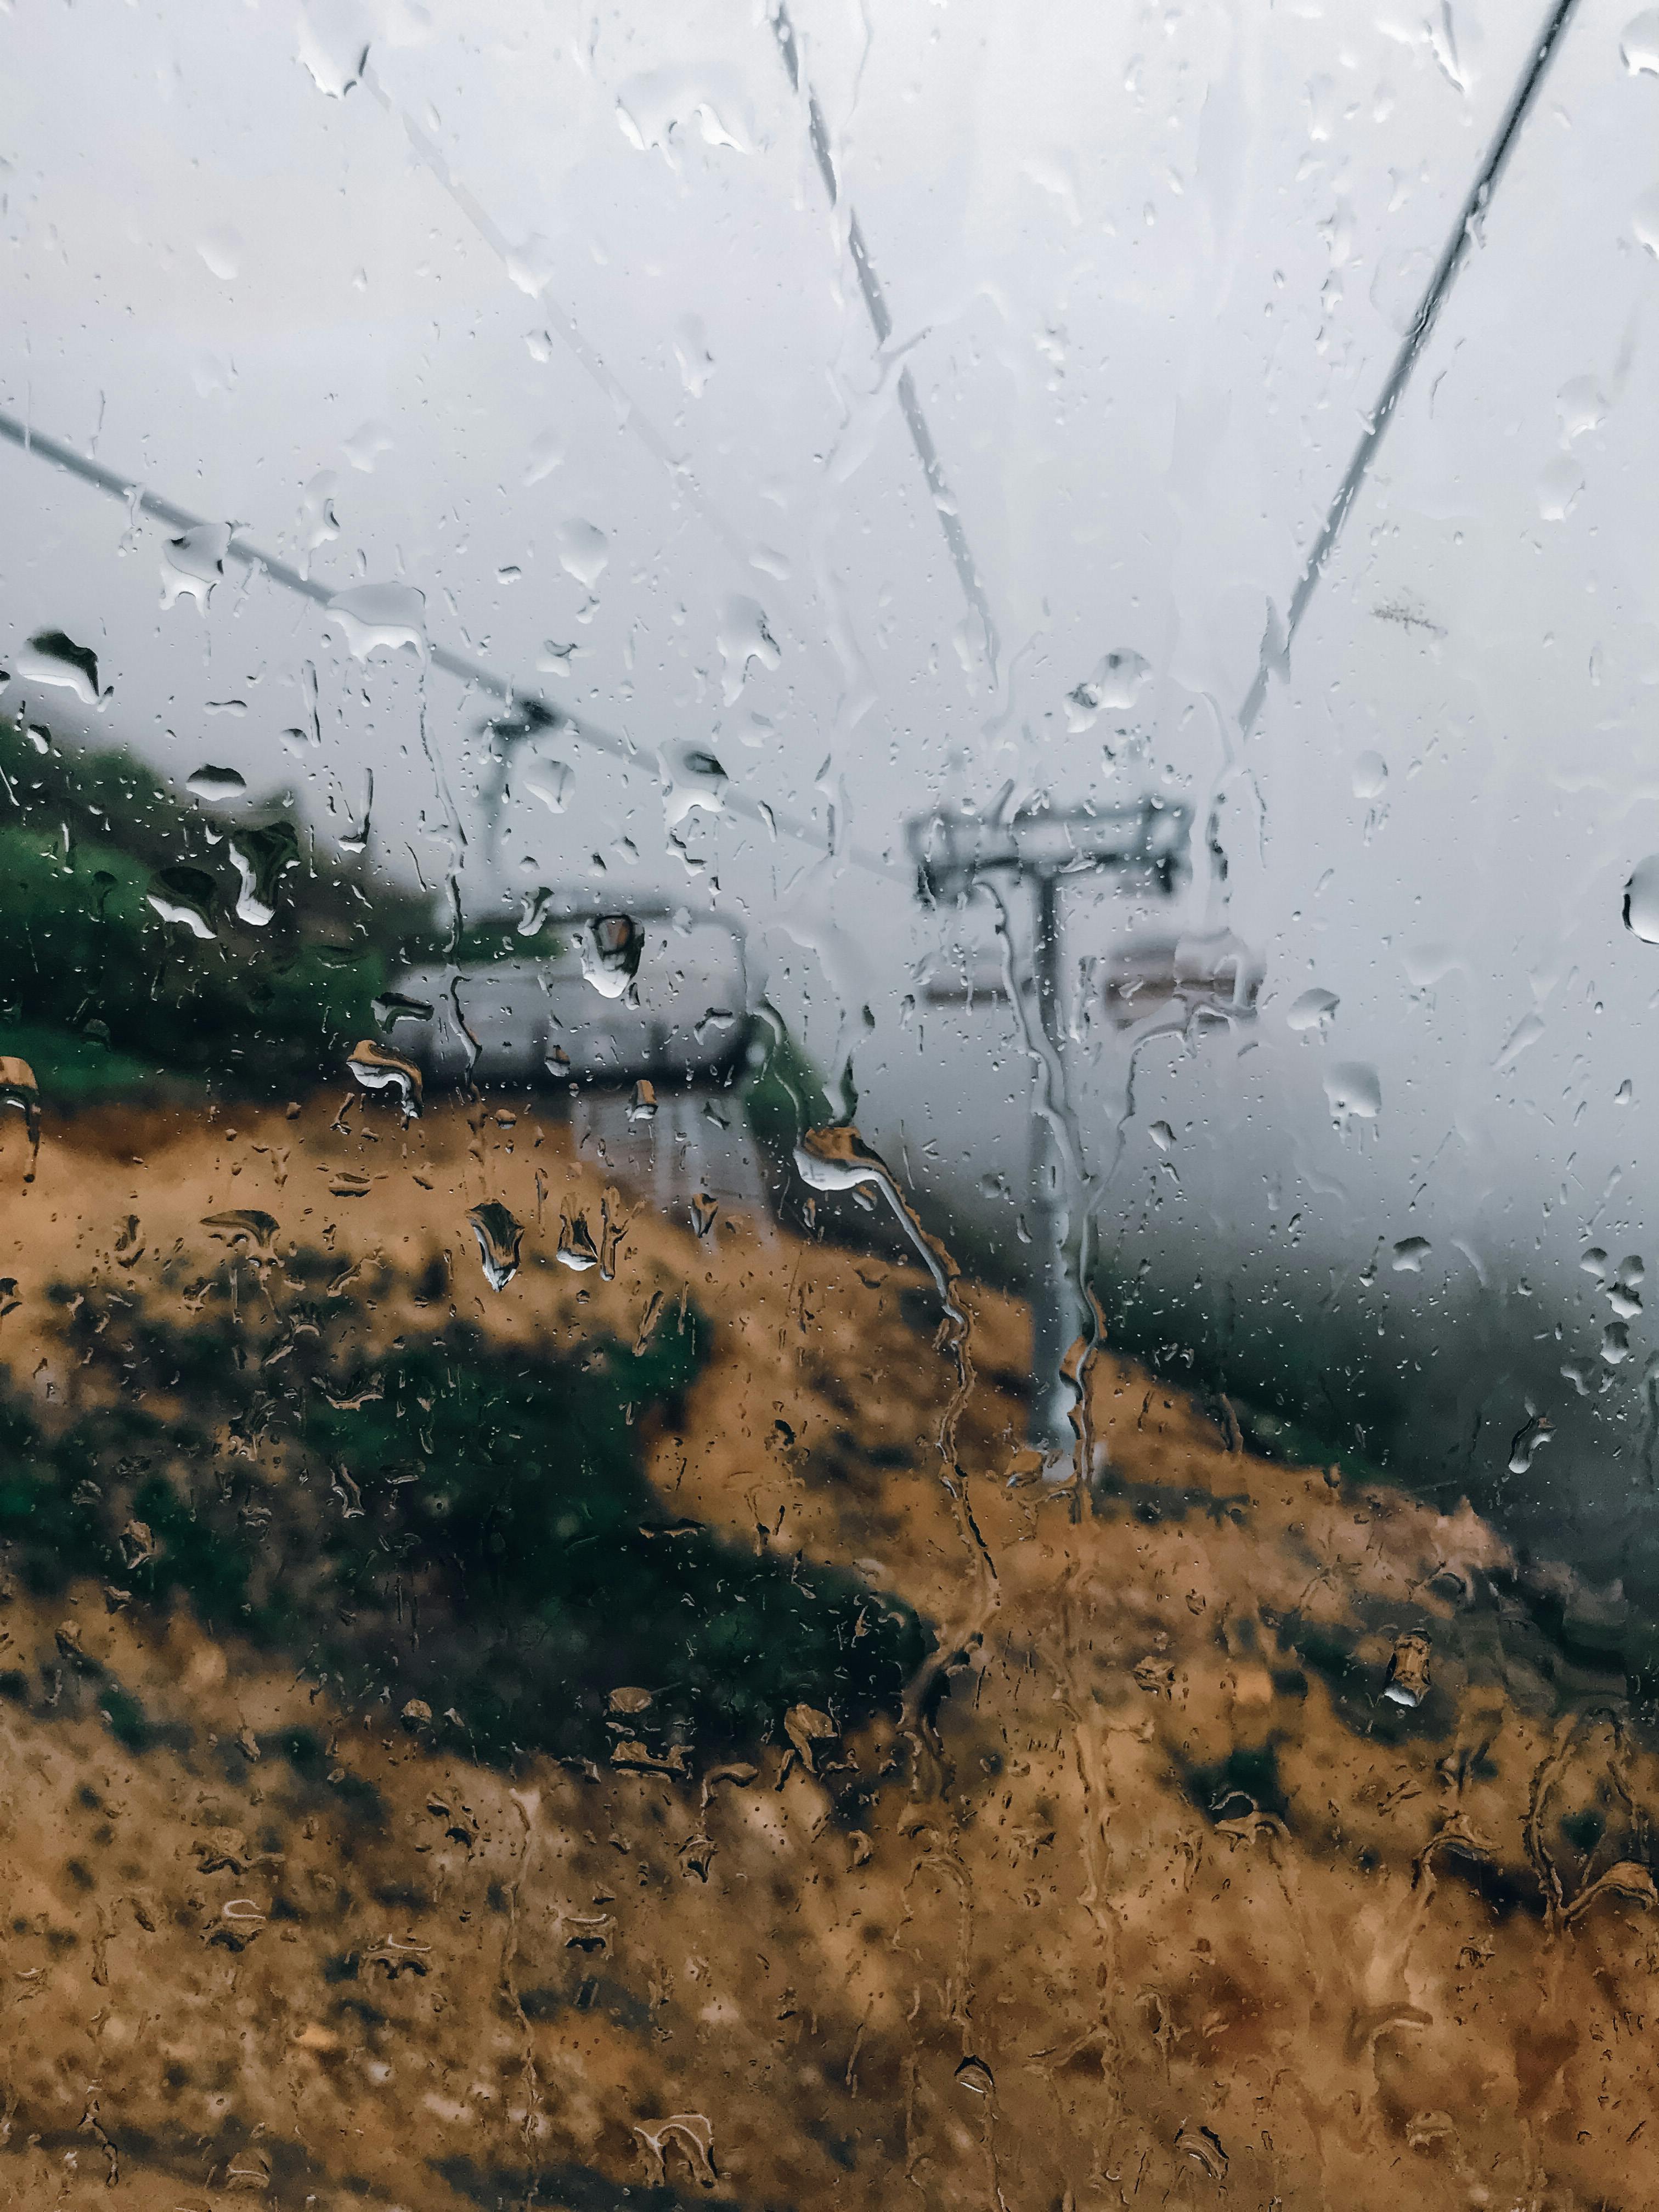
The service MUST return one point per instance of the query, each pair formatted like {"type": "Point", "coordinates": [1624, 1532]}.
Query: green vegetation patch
{"type": "Point", "coordinates": [144, 940]}
{"type": "Point", "coordinates": [454, 1524]}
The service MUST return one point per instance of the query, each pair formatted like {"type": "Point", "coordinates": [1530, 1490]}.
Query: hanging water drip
{"type": "Point", "coordinates": [215, 784]}
{"type": "Point", "coordinates": [1407, 1683]}
{"type": "Point", "coordinates": [188, 896]}
{"type": "Point", "coordinates": [692, 778]}
{"type": "Point", "coordinates": [262, 858]}
{"type": "Point", "coordinates": [837, 1159]}
{"type": "Point", "coordinates": [381, 618]}
{"type": "Point", "coordinates": [377, 1069]}
{"type": "Point", "coordinates": [18, 1090]}
{"type": "Point", "coordinates": [549, 780]}
{"type": "Point", "coordinates": [248, 1225]}
{"type": "Point", "coordinates": [499, 1237]}
{"type": "Point", "coordinates": [51, 657]}
{"type": "Point", "coordinates": [394, 1006]}
{"type": "Point", "coordinates": [610, 946]}
{"type": "Point", "coordinates": [576, 1249]}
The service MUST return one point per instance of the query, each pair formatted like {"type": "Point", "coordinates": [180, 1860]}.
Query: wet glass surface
{"type": "Point", "coordinates": [829, 877]}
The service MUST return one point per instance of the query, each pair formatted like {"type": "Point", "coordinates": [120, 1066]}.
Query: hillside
{"type": "Point", "coordinates": [1030, 1857]}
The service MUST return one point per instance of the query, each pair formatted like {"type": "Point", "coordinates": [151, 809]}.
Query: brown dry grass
{"type": "Point", "coordinates": [1061, 1953]}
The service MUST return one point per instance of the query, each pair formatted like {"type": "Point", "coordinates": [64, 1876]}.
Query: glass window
{"type": "Point", "coordinates": [828, 888]}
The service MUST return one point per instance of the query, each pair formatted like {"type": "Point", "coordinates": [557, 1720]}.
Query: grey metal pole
{"type": "Point", "coordinates": [1052, 1309]}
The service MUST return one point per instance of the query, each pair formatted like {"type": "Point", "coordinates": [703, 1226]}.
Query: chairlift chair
{"type": "Point", "coordinates": [642, 1018]}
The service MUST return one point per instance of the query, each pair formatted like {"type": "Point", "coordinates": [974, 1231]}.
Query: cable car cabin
{"type": "Point", "coordinates": [618, 999]}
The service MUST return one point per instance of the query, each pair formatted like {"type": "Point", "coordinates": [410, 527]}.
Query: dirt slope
{"type": "Point", "coordinates": [1152, 1896]}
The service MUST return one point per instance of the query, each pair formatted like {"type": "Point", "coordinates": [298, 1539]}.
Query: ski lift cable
{"type": "Point", "coordinates": [1479, 199]}
{"type": "Point", "coordinates": [561, 323]}
{"type": "Point", "coordinates": [463, 667]}
{"type": "Point", "coordinates": [881, 322]}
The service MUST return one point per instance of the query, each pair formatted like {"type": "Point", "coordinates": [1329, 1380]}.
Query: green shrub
{"type": "Point", "coordinates": [454, 1522]}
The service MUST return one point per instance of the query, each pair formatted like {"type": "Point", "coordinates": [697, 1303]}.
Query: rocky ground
{"type": "Point", "coordinates": [1149, 1891]}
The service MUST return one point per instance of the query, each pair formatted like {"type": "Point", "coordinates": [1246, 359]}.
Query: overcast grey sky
{"type": "Point", "coordinates": [547, 319]}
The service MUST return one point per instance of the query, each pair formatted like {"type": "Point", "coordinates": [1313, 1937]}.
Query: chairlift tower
{"type": "Point", "coordinates": [956, 852]}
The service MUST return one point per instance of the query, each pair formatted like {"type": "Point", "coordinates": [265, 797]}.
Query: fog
{"type": "Point", "coordinates": [553, 322]}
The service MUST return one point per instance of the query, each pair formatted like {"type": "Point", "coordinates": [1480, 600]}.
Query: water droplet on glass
{"type": "Point", "coordinates": [394, 1006]}
{"type": "Point", "coordinates": [1581, 402]}
{"type": "Point", "coordinates": [1594, 1262]}
{"type": "Point", "coordinates": [215, 784]}
{"type": "Point", "coordinates": [261, 859]}
{"type": "Point", "coordinates": [377, 1069]}
{"type": "Point", "coordinates": [1314, 1010]}
{"type": "Point", "coordinates": [1370, 775]}
{"type": "Point", "coordinates": [1644, 222]}
{"type": "Point", "coordinates": [692, 2136]}
{"type": "Point", "coordinates": [1408, 1671]}
{"type": "Point", "coordinates": [691, 777]}
{"type": "Point", "coordinates": [1615, 1343]}
{"type": "Point", "coordinates": [1162, 1135]}
{"type": "Point", "coordinates": [549, 781]}
{"type": "Point", "coordinates": [52, 657]}
{"type": "Point", "coordinates": [975, 2076]}
{"type": "Point", "coordinates": [1408, 1254]}
{"type": "Point", "coordinates": [743, 637]}
{"type": "Point", "coordinates": [334, 38]}
{"type": "Point", "coordinates": [704, 1210]}
{"type": "Point", "coordinates": [221, 250]}
{"type": "Point", "coordinates": [534, 913]}
{"type": "Point", "coordinates": [1559, 483]}
{"type": "Point", "coordinates": [1527, 1440]}
{"type": "Point", "coordinates": [691, 354]}
{"type": "Point", "coordinates": [1638, 45]}
{"type": "Point", "coordinates": [1425, 965]}
{"type": "Point", "coordinates": [498, 1235]}
{"type": "Point", "coordinates": [1521, 1038]}
{"type": "Point", "coordinates": [1642, 900]}
{"type": "Point", "coordinates": [837, 1159]}
{"type": "Point", "coordinates": [245, 1225]}
{"type": "Point", "coordinates": [546, 453]}
{"type": "Point", "coordinates": [643, 1105]}
{"type": "Point", "coordinates": [19, 1090]}
{"type": "Point", "coordinates": [194, 563]}
{"type": "Point", "coordinates": [1112, 688]}
{"type": "Point", "coordinates": [613, 1227]}
{"type": "Point", "coordinates": [380, 618]}
{"type": "Point", "coordinates": [1203, 2147]}
{"type": "Point", "coordinates": [186, 896]}
{"type": "Point", "coordinates": [366, 445]}
{"type": "Point", "coordinates": [1353, 1092]}
{"type": "Point", "coordinates": [576, 1249]}
{"type": "Point", "coordinates": [610, 946]}
{"type": "Point", "coordinates": [1580, 1373]}
{"type": "Point", "coordinates": [584, 551]}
